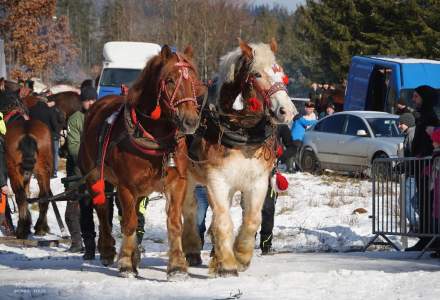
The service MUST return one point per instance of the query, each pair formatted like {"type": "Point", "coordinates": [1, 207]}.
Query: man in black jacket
{"type": "Point", "coordinates": [425, 99]}
{"type": "Point", "coordinates": [49, 116]}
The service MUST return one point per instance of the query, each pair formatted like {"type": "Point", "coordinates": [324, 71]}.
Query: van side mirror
{"type": "Point", "coordinates": [361, 132]}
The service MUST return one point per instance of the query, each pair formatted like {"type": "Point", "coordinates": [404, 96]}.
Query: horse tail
{"type": "Point", "coordinates": [28, 148]}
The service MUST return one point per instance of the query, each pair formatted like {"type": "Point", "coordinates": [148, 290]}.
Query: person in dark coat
{"type": "Point", "coordinates": [425, 99]}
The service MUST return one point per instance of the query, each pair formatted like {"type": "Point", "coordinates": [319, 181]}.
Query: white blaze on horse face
{"type": "Point", "coordinates": [280, 103]}
{"type": "Point", "coordinates": [238, 103]}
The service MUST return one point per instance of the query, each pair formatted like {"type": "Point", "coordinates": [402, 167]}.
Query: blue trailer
{"type": "Point", "coordinates": [379, 82]}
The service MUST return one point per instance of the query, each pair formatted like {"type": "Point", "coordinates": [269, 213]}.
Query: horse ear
{"type": "Point", "coordinates": [189, 51]}
{"type": "Point", "coordinates": [166, 53]}
{"type": "Point", "coordinates": [273, 45]}
{"type": "Point", "coordinates": [245, 49]}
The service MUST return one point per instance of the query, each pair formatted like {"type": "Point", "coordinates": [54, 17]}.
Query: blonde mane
{"type": "Point", "coordinates": [263, 58]}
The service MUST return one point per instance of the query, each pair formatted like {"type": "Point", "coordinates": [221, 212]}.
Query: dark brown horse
{"type": "Point", "coordinates": [29, 152]}
{"type": "Point", "coordinates": [147, 133]}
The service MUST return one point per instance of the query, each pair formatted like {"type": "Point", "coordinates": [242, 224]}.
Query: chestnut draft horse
{"type": "Point", "coordinates": [236, 152]}
{"type": "Point", "coordinates": [147, 132]}
{"type": "Point", "coordinates": [29, 151]}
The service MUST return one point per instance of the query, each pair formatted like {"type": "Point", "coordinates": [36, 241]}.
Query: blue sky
{"type": "Point", "coordinates": [290, 4]}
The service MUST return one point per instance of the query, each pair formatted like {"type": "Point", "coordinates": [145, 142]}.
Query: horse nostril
{"type": "Point", "coordinates": [283, 111]}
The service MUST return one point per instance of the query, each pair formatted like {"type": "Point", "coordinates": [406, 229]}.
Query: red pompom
{"type": "Point", "coordinates": [254, 104]}
{"type": "Point", "coordinates": [435, 136]}
{"type": "Point", "coordinates": [279, 151]}
{"type": "Point", "coordinates": [98, 188]}
{"type": "Point", "coordinates": [281, 182]}
{"type": "Point", "coordinates": [286, 79]}
{"type": "Point", "coordinates": [155, 114]}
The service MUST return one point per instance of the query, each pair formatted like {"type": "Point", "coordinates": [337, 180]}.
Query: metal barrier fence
{"type": "Point", "coordinates": [406, 198]}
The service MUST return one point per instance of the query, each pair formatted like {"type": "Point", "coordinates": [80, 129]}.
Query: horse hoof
{"type": "Point", "coordinates": [243, 267]}
{"type": "Point", "coordinates": [227, 273]}
{"type": "Point", "coordinates": [22, 233]}
{"type": "Point", "coordinates": [127, 273]}
{"type": "Point", "coordinates": [194, 259]}
{"type": "Point", "coordinates": [177, 275]}
{"type": "Point", "coordinates": [40, 232]}
{"type": "Point", "coordinates": [107, 261]}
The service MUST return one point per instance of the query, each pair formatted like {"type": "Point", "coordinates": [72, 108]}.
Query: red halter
{"type": "Point", "coordinates": [267, 93]}
{"type": "Point", "coordinates": [170, 100]}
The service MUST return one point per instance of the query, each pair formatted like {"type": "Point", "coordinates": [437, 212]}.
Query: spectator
{"type": "Point", "coordinates": [407, 125]}
{"type": "Point", "coordinates": [53, 120]}
{"type": "Point", "coordinates": [59, 119]}
{"type": "Point", "coordinates": [202, 207]}
{"type": "Point", "coordinates": [315, 94]}
{"type": "Point", "coordinates": [329, 110]}
{"type": "Point", "coordinates": [402, 107]}
{"type": "Point", "coordinates": [435, 136]}
{"type": "Point", "coordinates": [5, 224]}
{"type": "Point", "coordinates": [300, 126]}
{"type": "Point", "coordinates": [288, 155]}
{"type": "Point", "coordinates": [425, 98]}
{"type": "Point", "coordinates": [79, 218]}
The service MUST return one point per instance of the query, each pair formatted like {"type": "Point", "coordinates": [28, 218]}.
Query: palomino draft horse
{"type": "Point", "coordinates": [147, 132]}
{"type": "Point", "coordinates": [29, 151]}
{"type": "Point", "coordinates": [235, 152]}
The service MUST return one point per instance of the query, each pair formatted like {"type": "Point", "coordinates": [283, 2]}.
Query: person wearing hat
{"type": "Point", "coordinates": [407, 125]}
{"type": "Point", "coordinates": [79, 214]}
{"type": "Point", "coordinates": [402, 107]}
{"type": "Point", "coordinates": [300, 125]}
{"type": "Point", "coordinates": [425, 99]}
{"type": "Point", "coordinates": [329, 110]}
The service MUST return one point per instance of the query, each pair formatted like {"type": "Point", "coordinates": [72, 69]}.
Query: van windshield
{"type": "Point", "coordinates": [116, 77]}
{"type": "Point", "coordinates": [384, 127]}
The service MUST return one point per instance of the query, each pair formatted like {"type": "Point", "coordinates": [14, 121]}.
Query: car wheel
{"type": "Point", "coordinates": [309, 162]}
{"type": "Point", "coordinates": [382, 170]}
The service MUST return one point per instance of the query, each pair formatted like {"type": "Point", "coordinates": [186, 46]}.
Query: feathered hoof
{"type": "Point", "coordinates": [128, 273]}
{"type": "Point", "coordinates": [242, 267]}
{"type": "Point", "coordinates": [107, 261]}
{"type": "Point", "coordinates": [227, 273]}
{"type": "Point", "coordinates": [177, 275]}
{"type": "Point", "coordinates": [194, 259]}
{"type": "Point", "coordinates": [41, 229]}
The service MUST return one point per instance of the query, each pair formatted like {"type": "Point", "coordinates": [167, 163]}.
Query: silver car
{"type": "Point", "coordinates": [350, 141]}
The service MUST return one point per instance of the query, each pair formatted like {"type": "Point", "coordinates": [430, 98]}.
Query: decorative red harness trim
{"type": "Point", "coordinates": [11, 114]}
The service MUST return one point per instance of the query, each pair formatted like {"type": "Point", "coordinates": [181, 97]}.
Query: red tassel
{"type": "Point", "coordinates": [98, 188]}
{"type": "Point", "coordinates": [281, 181]}
{"type": "Point", "coordinates": [253, 104]}
{"type": "Point", "coordinates": [155, 114]}
{"type": "Point", "coordinates": [286, 79]}
{"type": "Point", "coordinates": [279, 151]}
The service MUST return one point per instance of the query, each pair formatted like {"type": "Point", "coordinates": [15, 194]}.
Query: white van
{"type": "Point", "coordinates": [123, 62]}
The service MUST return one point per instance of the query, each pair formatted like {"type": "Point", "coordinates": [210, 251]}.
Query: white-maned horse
{"type": "Point", "coordinates": [236, 152]}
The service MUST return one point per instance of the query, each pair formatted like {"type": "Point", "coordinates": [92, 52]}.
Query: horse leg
{"type": "Point", "coordinates": [177, 265]}
{"type": "Point", "coordinates": [24, 216]}
{"type": "Point", "coordinates": [41, 227]}
{"type": "Point", "coordinates": [223, 263]}
{"type": "Point", "coordinates": [191, 239]}
{"type": "Point", "coordinates": [253, 200]}
{"type": "Point", "coordinates": [106, 242]}
{"type": "Point", "coordinates": [129, 255]}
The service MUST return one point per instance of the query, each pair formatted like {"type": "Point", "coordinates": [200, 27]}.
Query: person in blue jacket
{"type": "Point", "coordinates": [301, 124]}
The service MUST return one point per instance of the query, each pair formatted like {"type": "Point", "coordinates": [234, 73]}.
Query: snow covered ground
{"type": "Point", "coordinates": [316, 229]}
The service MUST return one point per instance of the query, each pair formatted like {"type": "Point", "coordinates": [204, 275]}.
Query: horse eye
{"type": "Point", "coordinates": [257, 75]}
{"type": "Point", "coordinates": [169, 80]}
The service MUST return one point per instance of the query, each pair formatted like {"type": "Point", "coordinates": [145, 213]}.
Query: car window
{"type": "Point", "coordinates": [384, 127]}
{"type": "Point", "coordinates": [355, 124]}
{"type": "Point", "coordinates": [332, 124]}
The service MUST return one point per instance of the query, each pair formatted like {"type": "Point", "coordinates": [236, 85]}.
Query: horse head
{"type": "Point", "coordinates": [168, 89]}
{"type": "Point", "coordinates": [254, 83]}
